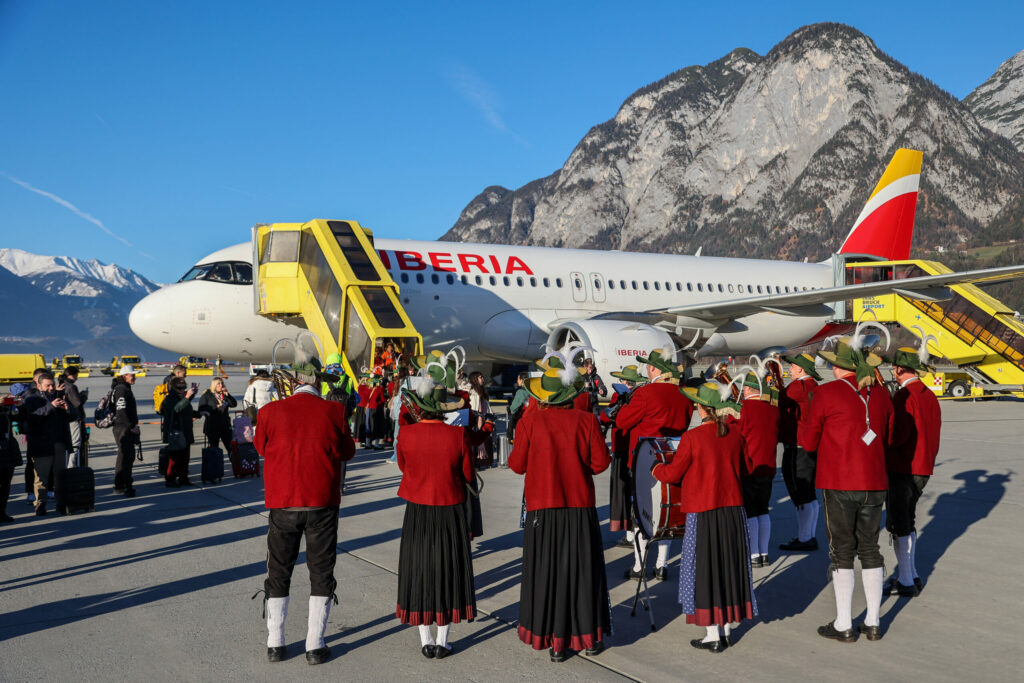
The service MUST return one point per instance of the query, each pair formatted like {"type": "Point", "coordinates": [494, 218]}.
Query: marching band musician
{"type": "Point", "coordinates": [848, 424]}
{"type": "Point", "coordinates": [759, 425]}
{"type": "Point", "coordinates": [618, 499]}
{"type": "Point", "coordinates": [798, 466]}
{"type": "Point", "coordinates": [910, 460]}
{"type": "Point", "coordinates": [564, 595]}
{"type": "Point", "coordinates": [435, 563]}
{"type": "Point", "coordinates": [656, 409]}
{"type": "Point", "coordinates": [715, 589]}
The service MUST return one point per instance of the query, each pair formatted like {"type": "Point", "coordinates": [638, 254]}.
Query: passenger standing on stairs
{"type": "Point", "coordinates": [303, 440]}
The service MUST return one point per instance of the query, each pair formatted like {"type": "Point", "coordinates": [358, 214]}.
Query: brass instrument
{"type": "Point", "coordinates": [721, 374]}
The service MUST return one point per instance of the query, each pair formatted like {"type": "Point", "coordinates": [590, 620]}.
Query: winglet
{"type": "Point", "coordinates": [885, 226]}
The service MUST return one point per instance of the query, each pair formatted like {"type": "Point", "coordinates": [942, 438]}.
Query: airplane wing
{"type": "Point", "coordinates": [815, 302]}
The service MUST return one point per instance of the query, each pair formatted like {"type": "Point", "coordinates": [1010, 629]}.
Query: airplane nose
{"type": "Point", "coordinates": [151, 318]}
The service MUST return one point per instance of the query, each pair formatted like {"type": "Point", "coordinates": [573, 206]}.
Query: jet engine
{"type": "Point", "coordinates": [615, 343]}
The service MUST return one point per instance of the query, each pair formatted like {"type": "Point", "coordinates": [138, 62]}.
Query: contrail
{"type": "Point", "coordinates": [483, 97]}
{"type": "Point", "coordinates": [78, 212]}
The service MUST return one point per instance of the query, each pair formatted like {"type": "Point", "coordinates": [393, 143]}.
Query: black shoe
{"type": "Point", "coordinates": [798, 546]}
{"type": "Point", "coordinates": [6, 518]}
{"type": "Point", "coordinates": [894, 586]}
{"type": "Point", "coordinates": [829, 631]}
{"type": "Point", "coordinates": [557, 657]}
{"type": "Point", "coordinates": [129, 492]}
{"type": "Point", "coordinates": [765, 561]}
{"type": "Point", "coordinates": [40, 511]}
{"type": "Point", "coordinates": [624, 543]}
{"type": "Point", "coordinates": [918, 583]}
{"type": "Point", "coordinates": [634, 575]}
{"type": "Point", "coordinates": [661, 573]}
{"type": "Point", "coordinates": [870, 632]}
{"type": "Point", "coordinates": [172, 483]}
{"type": "Point", "coordinates": [726, 640]}
{"type": "Point", "coordinates": [756, 563]}
{"type": "Point", "coordinates": [185, 481]}
{"type": "Point", "coordinates": [118, 490]}
{"type": "Point", "coordinates": [429, 651]}
{"type": "Point", "coordinates": [318, 656]}
{"type": "Point", "coordinates": [275, 654]}
{"type": "Point", "coordinates": [715, 646]}
{"type": "Point", "coordinates": [440, 652]}
{"type": "Point", "coordinates": [596, 650]}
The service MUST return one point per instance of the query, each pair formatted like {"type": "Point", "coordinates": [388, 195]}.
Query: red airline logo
{"type": "Point", "coordinates": [454, 263]}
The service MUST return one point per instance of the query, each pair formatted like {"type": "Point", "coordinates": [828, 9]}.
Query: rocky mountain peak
{"type": "Point", "coordinates": [999, 102]}
{"type": "Point", "coordinates": [768, 156]}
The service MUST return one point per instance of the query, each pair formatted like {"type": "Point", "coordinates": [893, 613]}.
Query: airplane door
{"type": "Point", "coordinates": [597, 287]}
{"type": "Point", "coordinates": [579, 287]}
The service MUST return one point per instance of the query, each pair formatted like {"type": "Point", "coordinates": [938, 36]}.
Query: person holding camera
{"type": "Point", "coordinates": [49, 437]}
{"type": "Point", "coordinates": [178, 416]}
{"type": "Point", "coordinates": [10, 454]}
{"type": "Point", "coordinates": [126, 429]}
{"type": "Point", "coordinates": [216, 404]}
{"type": "Point", "coordinates": [76, 401]}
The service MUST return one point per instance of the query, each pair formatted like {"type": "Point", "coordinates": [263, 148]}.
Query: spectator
{"type": "Point", "coordinates": [49, 438]}
{"type": "Point", "coordinates": [375, 413]}
{"type": "Point", "coordinates": [126, 429]}
{"type": "Point", "coordinates": [518, 405]}
{"type": "Point", "coordinates": [178, 415]}
{"type": "Point", "coordinates": [30, 471]}
{"type": "Point", "coordinates": [359, 418]}
{"type": "Point", "coordinates": [594, 387]}
{"type": "Point", "coordinates": [178, 370]}
{"type": "Point", "coordinates": [76, 401]}
{"type": "Point", "coordinates": [10, 457]}
{"type": "Point", "coordinates": [480, 406]}
{"type": "Point", "coordinates": [215, 405]}
{"type": "Point", "coordinates": [260, 392]}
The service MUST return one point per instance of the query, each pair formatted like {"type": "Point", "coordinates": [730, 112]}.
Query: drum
{"type": "Point", "coordinates": [657, 507]}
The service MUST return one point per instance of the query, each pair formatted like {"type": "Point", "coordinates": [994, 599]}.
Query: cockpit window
{"type": "Point", "coordinates": [230, 272]}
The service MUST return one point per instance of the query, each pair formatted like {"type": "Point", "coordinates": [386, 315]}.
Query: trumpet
{"type": "Point", "coordinates": [721, 374]}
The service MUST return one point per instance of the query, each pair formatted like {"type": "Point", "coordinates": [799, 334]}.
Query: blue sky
{"type": "Point", "coordinates": [149, 134]}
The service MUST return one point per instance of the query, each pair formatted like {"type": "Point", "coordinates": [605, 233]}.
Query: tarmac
{"type": "Point", "coordinates": [159, 587]}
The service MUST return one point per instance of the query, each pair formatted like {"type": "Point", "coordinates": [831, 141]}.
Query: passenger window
{"type": "Point", "coordinates": [720, 287]}
{"type": "Point", "coordinates": [597, 285]}
{"type": "Point", "coordinates": [493, 280]}
{"type": "Point", "coordinates": [679, 286]}
{"type": "Point", "coordinates": [464, 279]}
{"type": "Point", "coordinates": [700, 287]}
{"type": "Point", "coordinates": [533, 282]}
{"type": "Point", "coordinates": [578, 283]}
{"type": "Point", "coordinates": [558, 282]}
{"type": "Point", "coordinates": [419, 278]}
{"type": "Point", "coordinates": [479, 280]}
{"type": "Point", "coordinates": [750, 290]}
{"type": "Point", "coordinates": [519, 281]}
{"type": "Point", "coordinates": [450, 279]}
{"type": "Point", "coordinates": [611, 284]}
{"type": "Point", "coordinates": [405, 277]}
{"type": "Point", "coordinates": [689, 286]}
{"type": "Point", "coordinates": [657, 285]}
{"type": "Point", "coordinates": [730, 289]}
{"type": "Point", "coordinates": [646, 286]}
{"type": "Point", "coordinates": [505, 280]}
{"type": "Point", "coordinates": [635, 286]}
{"type": "Point", "coordinates": [547, 283]}
{"type": "Point", "coordinates": [778, 290]}
{"type": "Point", "coordinates": [622, 284]}
{"type": "Point", "coordinates": [435, 279]}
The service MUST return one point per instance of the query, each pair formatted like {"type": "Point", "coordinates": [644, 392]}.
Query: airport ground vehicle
{"type": "Point", "coordinates": [194, 365]}
{"type": "Point", "coordinates": [18, 367]}
{"type": "Point", "coordinates": [117, 361]}
{"type": "Point", "coordinates": [70, 360]}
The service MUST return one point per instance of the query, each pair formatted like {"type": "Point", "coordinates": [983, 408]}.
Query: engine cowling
{"type": "Point", "coordinates": [615, 343]}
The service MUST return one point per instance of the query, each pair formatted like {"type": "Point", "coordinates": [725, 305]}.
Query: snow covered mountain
{"type": "Point", "coordinates": [61, 304]}
{"type": "Point", "coordinates": [764, 156]}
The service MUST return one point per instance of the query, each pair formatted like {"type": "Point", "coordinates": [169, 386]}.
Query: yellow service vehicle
{"type": "Point", "coordinates": [116, 363]}
{"type": "Point", "coordinates": [19, 367]}
{"type": "Point", "coordinates": [72, 360]}
{"type": "Point", "coordinates": [194, 365]}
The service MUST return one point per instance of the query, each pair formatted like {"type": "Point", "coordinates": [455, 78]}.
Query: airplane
{"type": "Point", "coordinates": [504, 303]}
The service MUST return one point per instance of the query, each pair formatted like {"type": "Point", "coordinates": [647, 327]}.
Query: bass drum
{"type": "Point", "coordinates": [657, 507]}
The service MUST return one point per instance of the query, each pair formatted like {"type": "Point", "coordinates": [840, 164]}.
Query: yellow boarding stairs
{"type": "Point", "coordinates": [973, 330]}
{"type": "Point", "coordinates": [326, 276]}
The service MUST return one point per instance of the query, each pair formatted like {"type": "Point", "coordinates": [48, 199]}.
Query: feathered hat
{"type": "Point", "coordinates": [916, 359]}
{"type": "Point", "coordinates": [630, 373]}
{"type": "Point", "coordinates": [434, 379]}
{"type": "Point", "coordinates": [661, 359]}
{"type": "Point", "coordinates": [805, 361]}
{"type": "Point", "coordinates": [713, 395]}
{"type": "Point", "coordinates": [561, 380]}
{"type": "Point", "coordinates": [850, 353]}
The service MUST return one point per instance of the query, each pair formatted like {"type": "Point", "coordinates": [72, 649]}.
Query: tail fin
{"type": "Point", "coordinates": [885, 226]}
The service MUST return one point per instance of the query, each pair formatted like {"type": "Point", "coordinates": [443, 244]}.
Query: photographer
{"type": "Point", "coordinates": [126, 429]}
{"type": "Point", "coordinates": [76, 401]}
{"type": "Point", "coordinates": [49, 438]}
{"type": "Point", "coordinates": [178, 415]}
{"type": "Point", "coordinates": [518, 405]}
{"type": "Point", "coordinates": [593, 385]}
{"type": "Point", "coordinates": [215, 404]}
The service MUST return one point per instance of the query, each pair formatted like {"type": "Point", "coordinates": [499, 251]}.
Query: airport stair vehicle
{"type": "Point", "coordinates": [973, 330]}
{"type": "Point", "coordinates": [326, 276]}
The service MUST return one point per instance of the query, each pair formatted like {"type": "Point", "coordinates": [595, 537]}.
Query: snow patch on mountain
{"type": "Point", "coordinates": [33, 266]}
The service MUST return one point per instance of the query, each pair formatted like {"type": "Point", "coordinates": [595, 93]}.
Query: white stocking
{"type": "Point", "coordinates": [426, 637]}
{"type": "Point", "coordinates": [904, 563]}
{"type": "Point", "coordinates": [727, 629]}
{"type": "Point", "coordinates": [664, 548]}
{"type": "Point", "coordinates": [764, 533]}
{"type": "Point", "coordinates": [712, 635]}
{"type": "Point", "coordinates": [872, 579]}
{"type": "Point", "coordinates": [913, 554]}
{"type": "Point", "coordinates": [442, 635]}
{"type": "Point", "coordinates": [319, 611]}
{"type": "Point", "coordinates": [842, 583]}
{"type": "Point", "coordinates": [752, 536]}
{"type": "Point", "coordinates": [277, 611]}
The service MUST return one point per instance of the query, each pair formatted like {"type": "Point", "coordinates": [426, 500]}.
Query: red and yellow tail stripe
{"type": "Point", "coordinates": [885, 226]}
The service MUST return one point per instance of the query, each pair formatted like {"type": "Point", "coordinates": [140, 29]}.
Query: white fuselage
{"type": "Point", "coordinates": [499, 302]}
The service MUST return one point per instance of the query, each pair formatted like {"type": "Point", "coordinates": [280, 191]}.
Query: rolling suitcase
{"type": "Point", "coordinates": [213, 466]}
{"type": "Point", "coordinates": [79, 494]}
{"type": "Point", "coordinates": [163, 462]}
{"type": "Point", "coordinates": [245, 461]}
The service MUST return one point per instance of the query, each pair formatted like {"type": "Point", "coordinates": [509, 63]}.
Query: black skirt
{"type": "Point", "coordinates": [799, 469]}
{"type": "Point", "coordinates": [714, 571]}
{"type": "Point", "coordinates": [564, 595]}
{"type": "Point", "coordinates": [359, 424]}
{"type": "Point", "coordinates": [620, 495]}
{"type": "Point", "coordinates": [435, 566]}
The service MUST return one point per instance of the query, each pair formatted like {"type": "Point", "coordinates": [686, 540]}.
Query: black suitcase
{"type": "Point", "coordinates": [163, 461]}
{"type": "Point", "coordinates": [213, 466]}
{"type": "Point", "coordinates": [79, 493]}
{"type": "Point", "coordinates": [245, 460]}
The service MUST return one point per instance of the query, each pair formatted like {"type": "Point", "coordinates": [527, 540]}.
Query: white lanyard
{"type": "Point", "coordinates": [869, 435]}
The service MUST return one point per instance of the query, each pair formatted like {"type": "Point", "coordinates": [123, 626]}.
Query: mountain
{"type": "Point", "coordinates": [59, 304]}
{"type": "Point", "coordinates": [999, 102]}
{"type": "Point", "coordinates": [766, 156]}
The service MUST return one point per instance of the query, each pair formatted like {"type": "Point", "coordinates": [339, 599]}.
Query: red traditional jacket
{"type": "Point", "coordinates": [759, 424]}
{"type": "Point", "coordinates": [707, 467]}
{"type": "Point", "coordinates": [436, 463]}
{"type": "Point", "coordinates": [917, 421]}
{"type": "Point", "coordinates": [656, 409]}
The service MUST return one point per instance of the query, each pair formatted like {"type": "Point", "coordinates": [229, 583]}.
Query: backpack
{"type": "Point", "coordinates": [159, 394]}
{"type": "Point", "coordinates": [103, 416]}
